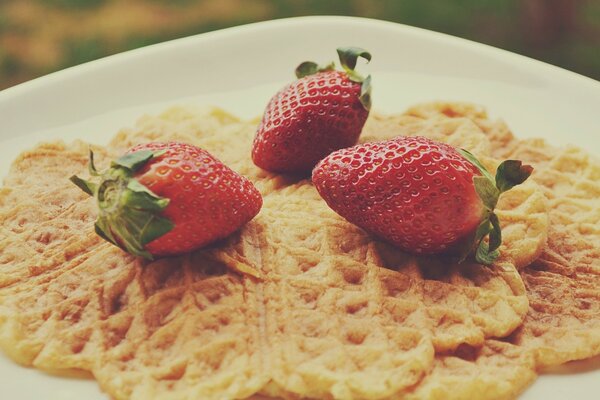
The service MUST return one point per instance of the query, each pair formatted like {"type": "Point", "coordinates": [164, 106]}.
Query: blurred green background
{"type": "Point", "coordinates": [41, 36]}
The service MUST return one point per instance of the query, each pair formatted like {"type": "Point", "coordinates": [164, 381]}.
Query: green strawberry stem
{"type": "Point", "coordinates": [310, 68]}
{"type": "Point", "coordinates": [129, 213]}
{"type": "Point", "coordinates": [348, 57]}
{"type": "Point", "coordinates": [508, 174]}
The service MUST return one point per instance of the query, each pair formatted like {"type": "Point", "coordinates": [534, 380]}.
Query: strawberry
{"type": "Point", "coordinates": [423, 196]}
{"type": "Point", "coordinates": [324, 110]}
{"type": "Point", "coordinates": [164, 199]}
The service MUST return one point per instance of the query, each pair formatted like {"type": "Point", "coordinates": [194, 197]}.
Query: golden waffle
{"type": "Point", "coordinates": [563, 322]}
{"type": "Point", "coordinates": [101, 310]}
{"type": "Point", "coordinates": [496, 370]}
{"type": "Point", "coordinates": [356, 330]}
{"type": "Point", "coordinates": [498, 133]}
{"type": "Point", "coordinates": [563, 285]}
{"type": "Point", "coordinates": [564, 319]}
{"type": "Point", "coordinates": [327, 321]}
{"type": "Point", "coordinates": [38, 238]}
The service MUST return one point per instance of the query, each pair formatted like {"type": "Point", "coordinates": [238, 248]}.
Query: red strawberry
{"type": "Point", "coordinates": [169, 198]}
{"type": "Point", "coordinates": [324, 110]}
{"type": "Point", "coordinates": [422, 196]}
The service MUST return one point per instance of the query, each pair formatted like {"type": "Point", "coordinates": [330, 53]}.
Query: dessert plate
{"type": "Point", "coordinates": [240, 68]}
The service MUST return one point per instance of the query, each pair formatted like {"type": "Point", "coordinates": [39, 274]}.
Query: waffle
{"type": "Point", "coordinates": [563, 284]}
{"type": "Point", "coordinates": [340, 294]}
{"type": "Point", "coordinates": [338, 314]}
{"type": "Point", "coordinates": [497, 132]}
{"type": "Point", "coordinates": [36, 239]}
{"type": "Point", "coordinates": [496, 370]}
{"type": "Point", "coordinates": [563, 322]}
{"type": "Point", "coordinates": [96, 308]}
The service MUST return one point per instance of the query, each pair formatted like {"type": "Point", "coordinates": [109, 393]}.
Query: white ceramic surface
{"type": "Point", "coordinates": [240, 68]}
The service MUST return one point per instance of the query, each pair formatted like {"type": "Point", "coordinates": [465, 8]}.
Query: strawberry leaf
{"type": "Point", "coordinates": [140, 197]}
{"type": "Point", "coordinates": [484, 255]}
{"type": "Point", "coordinates": [470, 245]}
{"type": "Point", "coordinates": [483, 251]}
{"type": "Point", "coordinates": [487, 191]}
{"type": "Point", "coordinates": [136, 160]}
{"type": "Point", "coordinates": [155, 228]}
{"type": "Point", "coordinates": [483, 230]}
{"type": "Point", "coordinates": [365, 93]}
{"type": "Point", "coordinates": [349, 56]}
{"type": "Point", "coordinates": [306, 68]}
{"type": "Point", "coordinates": [87, 186]}
{"type": "Point", "coordinates": [104, 232]}
{"type": "Point", "coordinates": [126, 227]}
{"type": "Point", "coordinates": [495, 233]}
{"type": "Point", "coordinates": [310, 68]}
{"type": "Point", "coordinates": [92, 166]}
{"type": "Point", "coordinates": [511, 173]}
{"type": "Point", "coordinates": [473, 160]}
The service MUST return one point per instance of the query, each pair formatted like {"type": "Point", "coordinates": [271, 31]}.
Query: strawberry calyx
{"type": "Point", "coordinates": [310, 68]}
{"type": "Point", "coordinates": [509, 174]}
{"type": "Point", "coordinates": [129, 213]}
{"type": "Point", "coordinates": [348, 57]}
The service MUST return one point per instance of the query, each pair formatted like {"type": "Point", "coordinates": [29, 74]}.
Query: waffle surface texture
{"type": "Point", "coordinates": [563, 283]}
{"type": "Point", "coordinates": [338, 314]}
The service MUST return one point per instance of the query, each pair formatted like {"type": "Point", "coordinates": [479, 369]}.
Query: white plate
{"type": "Point", "coordinates": [240, 68]}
